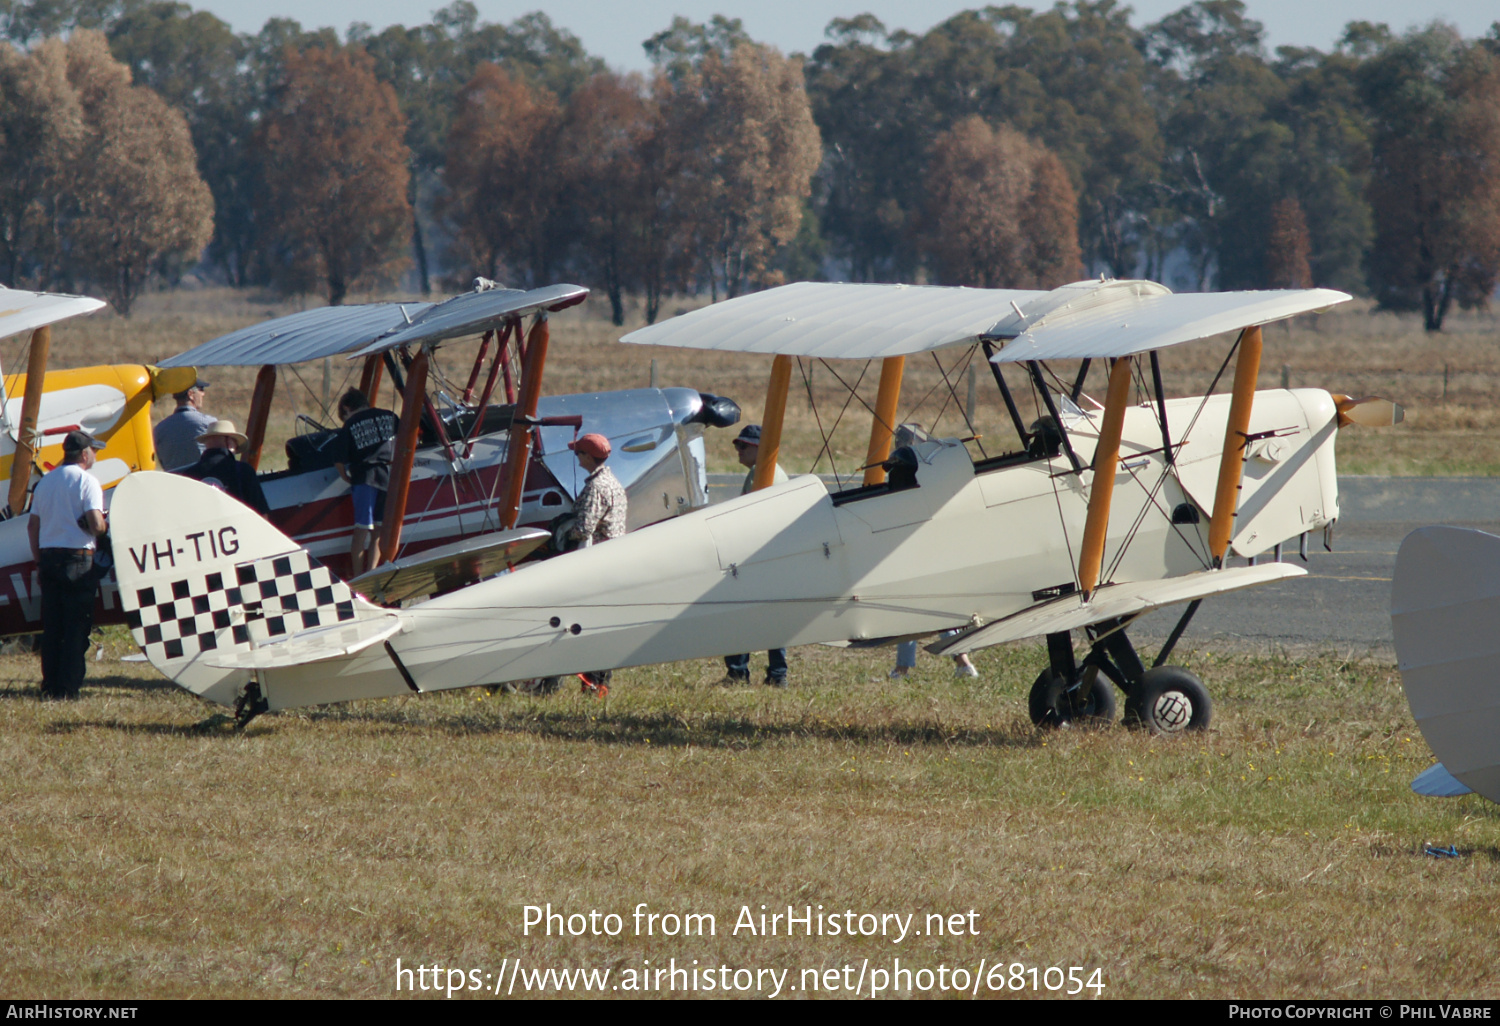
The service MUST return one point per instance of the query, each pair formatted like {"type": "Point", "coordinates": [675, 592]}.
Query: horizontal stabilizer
{"type": "Point", "coordinates": [439, 571]}
{"type": "Point", "coordinates": [1112, 601]}
{"type": "Point", "coordinates": [1437, 782]}
{"type": "Point", "coordinates": [309, 646]}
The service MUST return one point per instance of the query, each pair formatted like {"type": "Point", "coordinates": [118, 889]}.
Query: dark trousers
{"type": "Point", "coordinates": [739, 665]}
{"type": "Point", "coordinates": [68, 587]}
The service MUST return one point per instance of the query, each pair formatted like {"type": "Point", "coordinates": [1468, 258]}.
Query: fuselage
{"type": "Point", "coordinates": [794, 564]}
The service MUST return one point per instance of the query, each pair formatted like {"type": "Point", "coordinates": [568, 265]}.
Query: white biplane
{"type": "Point", "coordinates": [1101, 516]}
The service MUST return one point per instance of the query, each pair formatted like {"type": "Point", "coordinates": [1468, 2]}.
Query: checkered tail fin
{"type": "Point", "coordinates": [212, 591]}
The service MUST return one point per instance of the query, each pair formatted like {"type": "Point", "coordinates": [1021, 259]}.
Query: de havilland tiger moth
{"type": "Point", "coordinates": [1102, 515]}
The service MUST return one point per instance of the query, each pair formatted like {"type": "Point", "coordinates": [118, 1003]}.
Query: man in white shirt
{"type": "Point", "coordinates": [67, 515]}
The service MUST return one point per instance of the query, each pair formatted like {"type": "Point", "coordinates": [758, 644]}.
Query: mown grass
{"type": "Point", "coordinates": [1447, 381]}
{"type": "Point", "coordinates": [149, 851]}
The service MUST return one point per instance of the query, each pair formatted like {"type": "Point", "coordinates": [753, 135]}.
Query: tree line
{"type": "Point", "coordinates": [1005, 147]}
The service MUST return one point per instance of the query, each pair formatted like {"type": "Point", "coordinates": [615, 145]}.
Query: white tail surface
{"type": "Point", "coordinates": [1445, 616]}
{"type": "Point", "coordinates": [211, 590]}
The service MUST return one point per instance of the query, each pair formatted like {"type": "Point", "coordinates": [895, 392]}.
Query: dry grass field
{"type": "Point", "coordinates": [148, 851]}
{"type": "Point", "coordinates": [1448, 431]}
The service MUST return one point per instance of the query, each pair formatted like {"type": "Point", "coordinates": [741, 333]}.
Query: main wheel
{"type": "Point", "coordinates": [1169, 700]}
{"type": "Point", "coordinates": [1052, 703]}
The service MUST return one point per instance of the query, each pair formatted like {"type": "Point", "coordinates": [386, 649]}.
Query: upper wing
{"type": "Point", "coordinates": [861, 321]}
{"type": "Point", "coordinates": [1110, 602]}
{"type": "Point", "coordinates": [26, 311]}
{"type": "Point", "coordinates": [475, 312]}
{"type": "Point", "coordinates": [309, 335]}
{"type": "Point", "coordinates": [445, 569]}
{"type": "Point", "coordinates": [837, 320]}
{"type": "Point", "coordinates": [1121, 318]}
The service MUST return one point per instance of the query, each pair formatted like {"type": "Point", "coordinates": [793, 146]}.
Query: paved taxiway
{"type": "Point", "coordinates": [1343, 604]}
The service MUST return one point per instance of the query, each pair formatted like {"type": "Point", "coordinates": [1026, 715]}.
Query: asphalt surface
{"type": "Point", "coordinates": [1343, 604]}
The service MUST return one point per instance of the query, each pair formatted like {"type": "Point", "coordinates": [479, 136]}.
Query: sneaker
{"type": "Point", "coordinates": [963, 670]}
{"type": "Point", "coordinates": [733, 680]}
{"type": "Point", "coordinates": [900, 673]}
{"type": "Point", "coordinates": [775, 682]}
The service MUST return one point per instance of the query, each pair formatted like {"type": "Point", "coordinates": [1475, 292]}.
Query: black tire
{"type": "Point", "coordinates": [1169, 700]}
{"type": "Point", "coordinates": [1052, 704]}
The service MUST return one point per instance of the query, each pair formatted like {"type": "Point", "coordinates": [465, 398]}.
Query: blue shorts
{"type": "Point", "coordinates": [369, 506]}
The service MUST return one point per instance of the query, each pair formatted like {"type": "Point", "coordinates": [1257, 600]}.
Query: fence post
{"type": "Point", "coordinates": [1286, 375]}
{"type": "Point", "coordinates": [655, 381]}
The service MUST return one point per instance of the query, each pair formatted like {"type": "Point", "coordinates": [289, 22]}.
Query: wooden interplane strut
{"type": "Point", "coordinates": [260, 415]}
{"type": "Point", "coordinates": [1102, 490]}
{"type": "Point", "coordinates": [884, 424]}
{"type": "Point", "coordinates": [1232, 462]}
{"type": "Point", "coordinates": [369, 378]}
{"type": "Point", "coordinates": [770, 428]}
{"type": "Point", "coordinates": [31, 405]}
{"type": "Point", "coordinates": [412, 403]}
{"type": "Point", "coordinates": [518, 450]}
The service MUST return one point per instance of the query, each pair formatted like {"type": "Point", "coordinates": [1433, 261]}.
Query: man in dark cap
{"type": "Point", "coordinates": [67, 515]}
{"type": "Point", "coordinates": [737, 667]}
{"type": "Point", "coordinates": [177, 435]}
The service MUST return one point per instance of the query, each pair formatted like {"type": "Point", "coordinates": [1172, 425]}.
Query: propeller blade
{"type": "Point", "coordinates": [1370, 411]}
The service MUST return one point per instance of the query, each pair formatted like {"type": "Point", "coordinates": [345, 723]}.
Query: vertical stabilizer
{"type": "Point", "coordinates": [212, 591]}
{"type": "Point", "coordinates": [1445, 616]}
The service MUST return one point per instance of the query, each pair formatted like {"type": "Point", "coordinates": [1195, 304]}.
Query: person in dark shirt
{"type": "Point", "coordinates": [367, 444]}
{"type": "Point", "coordinates": [219, 467]}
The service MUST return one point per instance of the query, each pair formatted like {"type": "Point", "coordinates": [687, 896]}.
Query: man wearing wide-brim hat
{"type": "Point", "coordinates": [218, 466]}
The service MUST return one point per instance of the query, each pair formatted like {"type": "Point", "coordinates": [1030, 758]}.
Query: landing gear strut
{"type": "Point", "coordinates": [1163, 699]}
{"type": "Point", "coordinates": [249, 705]}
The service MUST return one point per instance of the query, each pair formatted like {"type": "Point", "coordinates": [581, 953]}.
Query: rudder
{"type": "Point", "coordinates": [214, 582]}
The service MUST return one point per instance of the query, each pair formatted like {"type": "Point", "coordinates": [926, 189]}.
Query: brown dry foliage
{"type": "Point", "coordinates": [747, 147]}
{"type": "Point", "coordinates": [1001, 212]}
{"type": "Point", "coordinates": [1287, 247]}
{"type": "Point", "coordinates": [336, 174]}
{"type": "Point", "coordinates": [138, 197]}
{"type": "Point", "coordinates": [607, 133]}
{"type": "Point", "coordinates": [501, 178]}
{"type": "Point", "coordinates": [94, 167]}
{"type": "Point", "coordinates": [41, 133]}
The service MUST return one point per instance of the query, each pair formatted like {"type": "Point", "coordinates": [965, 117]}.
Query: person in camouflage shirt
{"type": "Point", "coordinates": [600, 516]}
{"type": "Point", "coordinates": [600, 507]}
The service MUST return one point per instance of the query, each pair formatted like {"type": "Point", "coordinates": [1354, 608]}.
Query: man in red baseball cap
{"type": "Point", "coordinates": [600, 506]}
{"type": "Point", "coordinates": [600, 515]}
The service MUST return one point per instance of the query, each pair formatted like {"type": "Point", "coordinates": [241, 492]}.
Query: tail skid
{"type": "Point", "coordinates": [218, 592]}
